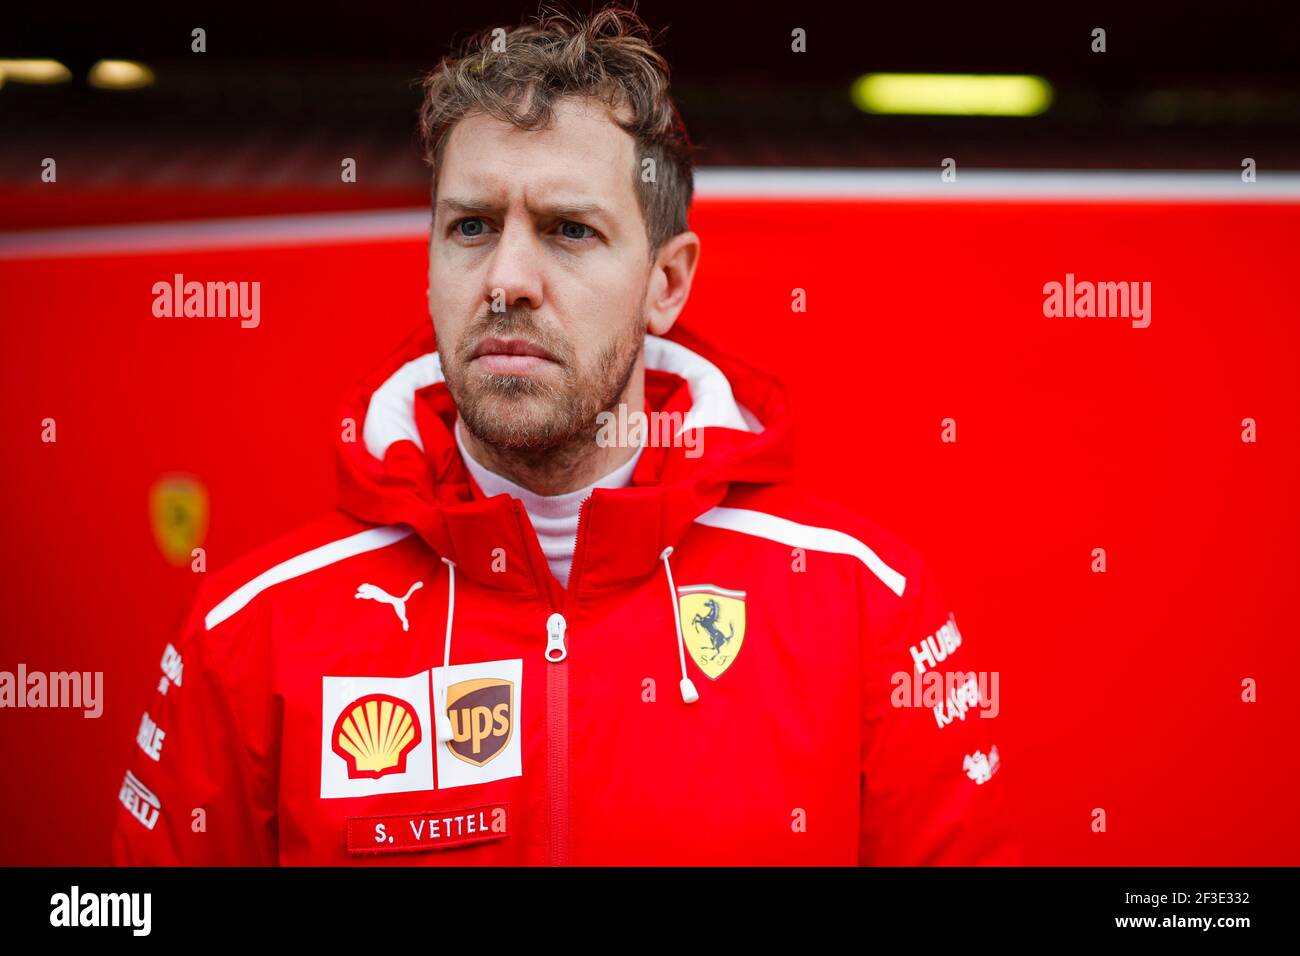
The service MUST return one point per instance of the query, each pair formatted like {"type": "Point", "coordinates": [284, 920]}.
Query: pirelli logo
{"type": "Point", "coordinates": [139, 801]}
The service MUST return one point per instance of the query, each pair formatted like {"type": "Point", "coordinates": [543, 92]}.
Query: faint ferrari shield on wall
{"type": "Point", "coordinates": [713, 625]}
{"type": "Point", "coordinates": [178, 511]}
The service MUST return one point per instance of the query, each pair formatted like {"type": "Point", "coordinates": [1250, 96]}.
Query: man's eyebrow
{"type": "Point", "coordinates": [570, 210]}
{"type": "Point", "coordinates": [560, 210]}
{"type": "Point", "coordinates": [453, 204]}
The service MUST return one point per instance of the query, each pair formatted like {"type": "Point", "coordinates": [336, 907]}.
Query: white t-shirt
{"type": "Point", "coordinates": [554, 517]}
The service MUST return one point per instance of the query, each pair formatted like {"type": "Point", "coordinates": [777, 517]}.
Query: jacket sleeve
{"type": "Point", "coordinates": [200, 784]}
{"type": "Point", "coordinates": [933, 790]}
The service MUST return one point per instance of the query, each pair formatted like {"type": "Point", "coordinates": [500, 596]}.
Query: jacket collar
{"type": "Point", "coordinates": [407, 468]}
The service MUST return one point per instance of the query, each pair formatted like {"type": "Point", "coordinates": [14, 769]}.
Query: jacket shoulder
{"type": "Point", "coordinates": [298, 554]}
{"type": "Point", "coordinates": [804, 519]}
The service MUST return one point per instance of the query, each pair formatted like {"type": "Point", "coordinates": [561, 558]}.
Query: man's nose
{"type": "Point", "coordinates": [514, 275]}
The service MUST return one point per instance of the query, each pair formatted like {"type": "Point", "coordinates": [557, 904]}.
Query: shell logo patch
{"type": "Point", "coordinates": [374, 734]}
{"type": "Point", "coordinates": [481, 724]}
{"type": "Point", "coordinates": [713, 625]}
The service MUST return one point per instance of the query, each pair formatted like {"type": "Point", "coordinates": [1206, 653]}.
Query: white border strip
{"type": "Point", "coordinates": [308, 561]}
{"type": "Point", "coordinates": [906, 185]}
{"type": "Point", "coordinates": [1001, 184]}
{"type": "Point", "coordinates": [783, 531]}
{"type": "Point", "coordinates": [686, 589]}
{"type": "Point", "coordinates": [311, 229]}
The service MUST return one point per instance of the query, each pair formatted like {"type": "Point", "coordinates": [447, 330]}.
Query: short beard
{"type": "Point", "coordinates": [564, 431]}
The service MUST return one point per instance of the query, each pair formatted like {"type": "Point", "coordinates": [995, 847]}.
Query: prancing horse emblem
{"type": "Point", "coordinates": [372, 593]}
{"type": "Point", "coordinates": [714, 619]}
{"type": "Point", "coordinates": [710, 624]}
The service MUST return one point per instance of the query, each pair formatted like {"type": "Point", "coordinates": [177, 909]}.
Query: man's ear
{"type": "Point", "coordinates": [670, 281]}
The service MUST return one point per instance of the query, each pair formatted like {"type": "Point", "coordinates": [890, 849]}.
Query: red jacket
{"type": "Point", "coordinates": [729, 663]}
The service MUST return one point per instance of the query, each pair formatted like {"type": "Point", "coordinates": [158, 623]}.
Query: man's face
{"type": "Point", "coordinates": [538, 271]}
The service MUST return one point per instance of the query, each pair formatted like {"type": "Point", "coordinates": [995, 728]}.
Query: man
{"type": "Point", "coordinates": [533, 635]}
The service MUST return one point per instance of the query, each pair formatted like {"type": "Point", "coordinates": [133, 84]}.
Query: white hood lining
{"type": "Point", "coordinates": [390, 417]}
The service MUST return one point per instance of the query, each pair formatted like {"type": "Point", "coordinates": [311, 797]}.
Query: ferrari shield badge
{"type": "Point", "coordinates": [178, 511]}
{"type": "Point", "coordinates": [713, 625]}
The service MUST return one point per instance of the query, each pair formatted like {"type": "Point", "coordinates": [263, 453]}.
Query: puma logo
{"type": "Point", "coordinates": [371, 593]}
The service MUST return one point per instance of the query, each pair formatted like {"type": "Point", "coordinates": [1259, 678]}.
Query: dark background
{"type": "Point", "coordinates": [283, 93]}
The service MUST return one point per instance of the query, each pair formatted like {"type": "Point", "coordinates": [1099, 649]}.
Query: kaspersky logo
{"type": "Point", "coordinates": [374, 734]}
{"type": "Point", "coordinates": [481, 713]}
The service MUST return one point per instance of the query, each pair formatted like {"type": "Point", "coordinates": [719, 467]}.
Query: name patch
{"type": "Point", "coordinates": [429, 830]}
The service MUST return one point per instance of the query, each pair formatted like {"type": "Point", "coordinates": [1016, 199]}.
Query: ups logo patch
{"type": "Point", "coordinates": [481, 719]}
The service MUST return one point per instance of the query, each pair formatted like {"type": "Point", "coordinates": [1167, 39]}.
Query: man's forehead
{"type": "Point", "coordinates": [581, 156]}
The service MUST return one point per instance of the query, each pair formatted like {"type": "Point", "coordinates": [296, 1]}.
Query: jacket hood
{"type": "Point", "coordinates": [398, 462]}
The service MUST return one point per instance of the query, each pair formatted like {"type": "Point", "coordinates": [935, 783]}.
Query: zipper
{"type": "Point", "coordinates": [557, 745]}
{"type": "Point", "coordinates": [555, 649]}
{"type": "Point", "coordinates": [557, 687]}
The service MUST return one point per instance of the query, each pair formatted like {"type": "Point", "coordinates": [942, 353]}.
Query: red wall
{"type": "Point", "coordinates": [1119, 690]}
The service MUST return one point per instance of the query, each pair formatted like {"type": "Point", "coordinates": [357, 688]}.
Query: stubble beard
{"type": "Point", "coordinates": [536, 423]}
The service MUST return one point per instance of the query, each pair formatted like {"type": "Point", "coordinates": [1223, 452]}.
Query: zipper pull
{"type": "Point", "coordinates": [555, 649]}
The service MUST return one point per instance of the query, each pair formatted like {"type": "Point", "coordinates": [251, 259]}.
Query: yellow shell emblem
{"type": "Point", "coordinates": [178, 511]}
{"type": "Point", "coordinates": [374, 734]}
{"type": "Point", "coordinates": [713, 625]}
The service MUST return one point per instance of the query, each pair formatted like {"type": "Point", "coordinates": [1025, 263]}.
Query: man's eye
{"type": "Point", "coordinates": [576, 230]}
{"type": "Point", "coordinates": [471, 228]}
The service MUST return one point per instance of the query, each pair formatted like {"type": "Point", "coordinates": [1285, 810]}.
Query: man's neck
{"type": "Point", "coordinates": [553, 472]}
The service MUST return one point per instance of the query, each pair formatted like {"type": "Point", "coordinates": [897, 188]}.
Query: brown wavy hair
{"type": "Point", "coordinates": [608, 56]}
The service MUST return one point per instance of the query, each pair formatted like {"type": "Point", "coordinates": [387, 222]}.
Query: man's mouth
{"type": "Point", "coordinates": [510, 356]}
